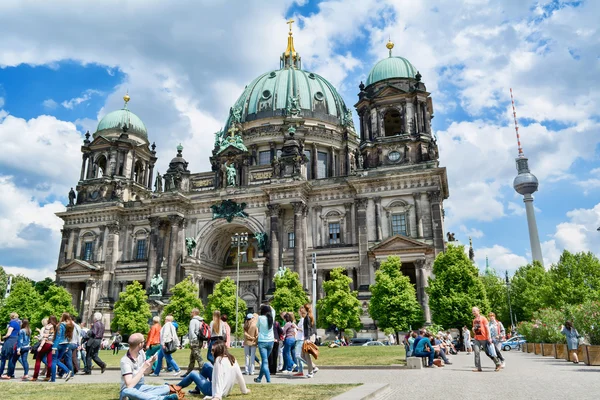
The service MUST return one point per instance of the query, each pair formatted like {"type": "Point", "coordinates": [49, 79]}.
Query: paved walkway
{"type": "Point", "coordinates": [526, 376]}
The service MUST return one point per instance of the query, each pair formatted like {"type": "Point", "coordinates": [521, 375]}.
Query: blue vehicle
{"type": "Point", "coordinates": [513, 343]}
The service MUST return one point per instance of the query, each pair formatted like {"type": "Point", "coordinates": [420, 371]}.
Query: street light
{"type": "Point", "coordinates": [239, 239]}
{"type": "Point", "coordinates": [512, 322]}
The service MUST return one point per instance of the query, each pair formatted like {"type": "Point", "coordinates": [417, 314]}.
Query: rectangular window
{"type": "Point", "coordinates": [87, 251]}
{"type": "Point", "coordinates": [141, 249]}
{"type": "Point", "coordinates": [321, 165]}
{"type": "Point", "coordinates": [291, 240]}
{"type": "Point", "coordinates": [399, 224]}
{"type": "Point", "coordinates": [264, 157]}
{"type": "Point", "coordinates": [334, 233]}
{"type": "Point", "coordinates": [307, 153]}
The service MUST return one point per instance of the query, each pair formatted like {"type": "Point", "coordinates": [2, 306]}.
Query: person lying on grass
{"type": "Point", "coordinates": [216, 382]}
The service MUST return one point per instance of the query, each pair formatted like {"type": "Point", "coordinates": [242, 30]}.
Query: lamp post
{"type": "Point", "coordinates": [239, 239]}
{"type": "Point", "coordinates": [512, 322]}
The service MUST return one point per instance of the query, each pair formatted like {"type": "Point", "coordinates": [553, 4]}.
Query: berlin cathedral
{"type": "Point", "coordinates": [289, 169]}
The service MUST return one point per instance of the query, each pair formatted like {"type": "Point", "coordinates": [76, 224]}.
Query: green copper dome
{"type": "Point", "coordinates": [273, 93]}
{"type": "Point", "coordinates": [391, 67]}
{"type": "Point", "coordinates": [123, 117]}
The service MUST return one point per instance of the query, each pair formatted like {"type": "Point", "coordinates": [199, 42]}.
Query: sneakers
{"type": "Point", "coordinates": [299, 374]}
{"type": "Point", "coordinates": [154, 375]}
{"type": "Point", "coordinates": [503, 364]}
{"type": "Point", "coordinates": [315, 370]}
{"type": "Point", "coordinates": [309, 375]}
{"type": "Point", "coordinates": [176, 373]}
{"type": "Point", "coordinates": [68, 376]}
{"type": "Point", "coordinates": [195, 391]}
{"type": "Point", "coordinates": [184, 375]}
{"type": "Point", "coordinates": [256, 380]}
{"type": "Point", "coordinates": [498, 367]}
{"type": "Point", "coordinates": [103, 368]}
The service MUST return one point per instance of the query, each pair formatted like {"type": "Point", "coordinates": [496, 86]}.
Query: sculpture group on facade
{"type": "Point", "coordinates": [262, 240]}
{"type": "Point", "coordinates": [229, 209]}
{"type": "Point", "coordinates": [190, 245]}
{"type": "Point", "coordinates": [156, 285]}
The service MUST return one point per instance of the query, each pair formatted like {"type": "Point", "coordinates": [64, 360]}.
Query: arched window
{"type": "Point", "coordinates": [393, 122]}
{"type": "Point", "coordinates": [139, 172]}
{"type": "Point", "coordinates": [100, 166]}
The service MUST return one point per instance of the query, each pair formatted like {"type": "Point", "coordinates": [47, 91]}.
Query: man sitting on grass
{"type": "Point", "coordinates": [133, 367]}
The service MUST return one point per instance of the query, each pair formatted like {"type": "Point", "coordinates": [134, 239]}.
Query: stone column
{"type": "Point", "coordinates": [273, 210]}
{"type": "Point", "coordinates": [436, 221]}
{"type": "Point", "coordinates": [174, 250]}
{"type": "Point", "coordinates": [418, 215]}
{"type": "Point", "coordinates": [331, 166]}
{"type": "Point", "coordinates": [90, 169]}
{"type": "Point", "coordinates": [304, 247]}
{"type": "Point", "coordinates": [314, 161]}
{"type": "Point", "coordinates": [319, 225]}
{"type": "Point", "coordinates": [364, 273]}
{"type": "Point", "coordinates": [62, 255]}
{"type": "Point", "coordinates": [150, 177]}
{"type": "Point", "coordinates": [423, 273]}
{"type": "Point", "coordinates": [74, 247]}
{"type": "Point", "coordinates": [320, 275]}
{"type": "Point", "coordinates": [378, 219]}
{"type": "Point", "coordinates": [84, 159]}
{"type": "Point", "coordinates": [132, 172]}
{"type": "Point", "coordinates": [112, 253]}
{"type": "Point", "coordinates": [348, 235]}
{"type": "Point", "coordinates": [362, 127]}
{"type": "Point", "coordinates": [298, 211]}
{"type": "Point", "coordinates": [152, 253]}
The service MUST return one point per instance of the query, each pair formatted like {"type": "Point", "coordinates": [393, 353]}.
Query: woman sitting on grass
{"type": "Point", "coordinates": [216, 381]}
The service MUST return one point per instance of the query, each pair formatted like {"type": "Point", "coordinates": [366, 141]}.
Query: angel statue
{"type": "Point", "coordinates": [190, 245]}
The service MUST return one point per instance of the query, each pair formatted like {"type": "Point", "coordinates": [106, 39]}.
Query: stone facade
{"type": "Point", "coordinates": [310, 184]}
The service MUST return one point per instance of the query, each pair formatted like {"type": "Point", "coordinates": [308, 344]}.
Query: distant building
{"type": "Point", "coordinates": [288, 168]}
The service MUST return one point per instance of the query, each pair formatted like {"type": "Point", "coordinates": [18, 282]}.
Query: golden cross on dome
{"type": "Point", "coordinates": [290, 22]}
{"type": "Point", "coordinates": [232, 130]}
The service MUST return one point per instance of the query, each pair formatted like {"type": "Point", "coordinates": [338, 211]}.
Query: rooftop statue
{"type": "Point", "coordinates": [231, 174]}
{"type": "Point", "coordinates": [72, 197]}
{"type": "Point", "coordinates": [158, 186]}
{"type": "Point", "coordinates": [156, 285]}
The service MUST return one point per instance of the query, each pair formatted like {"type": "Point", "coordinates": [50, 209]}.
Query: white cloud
{"type": "Point", "coordinates": [471, 232]}
{"type": "Point", "coordinates": [516, 208]}
{"type": "Point", "coordinates": [35, 274]}
{"type": "Point", "coordinates": [50, 104]}
{"type": "Point", "coordinates": [85, 96]}
{"type": "Point", "coordinates": [500, 258]}
{"type": "Point", "coordinates": [1, 102]}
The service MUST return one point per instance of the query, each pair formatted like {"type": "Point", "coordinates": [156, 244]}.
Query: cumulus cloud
{"type": "Point", "coordinates": [74, 102]}
{"type": "Point", "coordinates": [500, 258]}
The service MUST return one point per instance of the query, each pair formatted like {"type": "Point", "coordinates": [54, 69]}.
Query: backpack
{"type": "Point", "coordinates": [203, 332]}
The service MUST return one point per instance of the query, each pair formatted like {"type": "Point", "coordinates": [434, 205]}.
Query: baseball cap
{"type": "Point", "coordinates": [249, 316]}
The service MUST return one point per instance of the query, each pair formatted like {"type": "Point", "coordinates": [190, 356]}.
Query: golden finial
{"type": "Point", "coordinates": [126, 98]}
{"type": "Point", "coordinates": [390, 45]}
{"type": "Point", "coordinates": [290, 50]}
{"type": "Point", "coordinates": [290, 22]}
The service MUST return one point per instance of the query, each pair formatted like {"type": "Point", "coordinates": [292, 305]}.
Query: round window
{"type": "Point", "coordinates": [272, 74]}
{"type": "Point", "coordinates": [266, 94]}
{"type": "Point", "coordinates": [311, 75]}
{"type": "Point", "coordinates": [394, 156]}
{"type": "Point", "coordinates": [319, 96]}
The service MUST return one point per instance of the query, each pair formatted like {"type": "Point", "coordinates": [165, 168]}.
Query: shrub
{"type": "Point", "coordinates": [586, 319]}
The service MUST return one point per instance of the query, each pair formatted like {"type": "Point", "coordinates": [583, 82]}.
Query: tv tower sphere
{"type": "Point", "coordinates": [525, 182]}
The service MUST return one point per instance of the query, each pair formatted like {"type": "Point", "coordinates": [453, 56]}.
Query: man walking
{"type": "Point", "coordinates": [194, 334]}
{"type": "Point", "coordinates": [467, 340]}
{"type": "Point", "coordinates": [95, 335]}
{"type": "Point", "coordinates": [482, 339]}
{"type": "Point", "coordinates": [498, 334]}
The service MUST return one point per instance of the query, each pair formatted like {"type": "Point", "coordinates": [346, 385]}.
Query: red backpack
{"type": "Point", "coordinates": [203, 331]}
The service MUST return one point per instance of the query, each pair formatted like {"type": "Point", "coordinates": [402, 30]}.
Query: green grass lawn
{"type": "Point", "coordinates": [100, 391]}
{"type": "Point", "coordinates": [341, 356]}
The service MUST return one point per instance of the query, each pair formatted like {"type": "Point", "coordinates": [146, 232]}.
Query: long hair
{"type": "Point", "coordinates": [25, 326]}
{"type": "Point", "coordinates": [287, 317]}
{"type": "Point", "coordinates": [220, 350]}
{"type": "Point", "coordinates": [217, 322]}
{"type": "Point", "coordinates": [266, 311]}
{"type": "Point", "coordinates": [53, 321]}
{"type": "Point", "coordinates": [69, 326]}
{"type": "Point", "coordinates": [308, 308]}
{"type": "Point", "coordinates": [569, 325]}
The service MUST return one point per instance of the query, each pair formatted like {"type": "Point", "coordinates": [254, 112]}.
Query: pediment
{"type": "Point", "coordinates": [399, 243]}
{"type": "Point", "coordinates": [78, 266]}
{"type": "Point", "coordinates": [389, 91]}
{"type": "Point", "coordinates": [231, 150]}
{"type": "Point", "coordinates": [99, 141]}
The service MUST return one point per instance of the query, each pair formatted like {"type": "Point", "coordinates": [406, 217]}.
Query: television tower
{"type": "Point", "coordinates": [526, 184]}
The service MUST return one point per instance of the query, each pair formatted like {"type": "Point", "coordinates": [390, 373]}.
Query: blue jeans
{"type": "Point", "coordinates": [145, 392]}
{"type": "Point", "coordinates": [62, 350]}
{"type": "Point", "coordinates": [170, 362]}
{"type": "Point", "coordinates": [209, 355]}
{"type": "Point", "coordinates": [264, 348]}
{"type": "Point", "coordinates": [22, 358]}
{"type": "Point", "coordinates": [202, 379]}
{"type": "Point", "coordinates": [8, 352]}
{"type": "Point", "coordinates": [429, 354]}
{"type": "Point", "coordinates": [298, 354]}
{"type": "Point", "coordinates": [288, 347]}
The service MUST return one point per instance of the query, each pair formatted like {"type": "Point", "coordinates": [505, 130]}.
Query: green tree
{"type": "Point", "coordinates": [3, 284]}
{"type": "Point", "coordinates": [495, 291]}
{"type": "Point", "coordinates": [575, 279]}
{"type": "Point", "coordinates": [340, 307]}
{"type": "Point", "coordinates": [55, 301]}
{"type": "Point", "coordinates": [394, 302]}
{"type": "Point", "coordinates": [530, 290]}
{"type": "Point", "coordinates": [223, 299]}
{"type": "Point", "coordinates": [42, 286]}
{"type": "Point", "coordinates": [182, 302]}
{"type": "Point", "coordinates": [132, 312]}
{"type": "Point", "coordinates": [289, 294]}
{"type": "Point", "coordinates": [23, 300]}
{"type": "Point", "coordinates": [456, 289]}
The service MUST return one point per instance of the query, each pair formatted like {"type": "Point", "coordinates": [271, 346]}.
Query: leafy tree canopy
{"type": "Point", "coordinates": [531, 290]}
{"type": "Point", "coordinates": [55, 301]}
{"type": "Point", "coordinates": [23, 300]}
{"type": "Point", "coordinates": [575, 279]}
{"type": "Point", "coordinates": [42, 286]}
{"type": "Point", "coordinates": [496, 293]}
{"type": "Point", "coordinates": [3, 283]}
{"type": "Point", "coordinates": [182, 302]}
{"type": "Point", "coordinates": [132, 312]}
{"type": "Point", "coordinates": [456, 289]}
{"type": "Point", "coordinates": [340, 307]}
{"type": "Point", "coordinates": [223, 299]}
{"type": "Point", "coordinates": [394, 302]}
{"type": "Point", "coordinates": [289, 294]}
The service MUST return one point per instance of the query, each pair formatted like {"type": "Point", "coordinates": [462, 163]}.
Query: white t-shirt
{"type": "Point", "coordinates": [299, 331]}
{"type": "Point", "coordinates": [224, 376]}
{"type": "Point", "coordinates": [129, 366]}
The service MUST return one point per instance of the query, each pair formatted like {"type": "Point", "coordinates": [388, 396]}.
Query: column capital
{"type": "Point", "coordinates": [273, 210]}
{"type": "Point", "coordinates": [361, 204]}
{"type": "Point", "coordinates": [417, 195]}
{"type": "Point", "coordinates": [176, 220]}
{"type": "Point", "coordinates": [318, 208]}
{"type": "Point", "coordinates": [298, 207]}
{"type": "Point", "coordinates": [348, 206]}
{"type": "Point", "coordinates": [377, 199]}
{"type": "Point", "coordinates": [154, 222]}
{"type": "Point", "coordinates": [434, 197]}
{"type": "Point", "coordinates": [419, 263]}
{"type": "Point", "coordinates": [113, 228]}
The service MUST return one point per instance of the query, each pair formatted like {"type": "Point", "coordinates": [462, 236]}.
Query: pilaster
{"type": "Point", "coordinates": [273, 211]}
{"type": "Point", "coordinates": [349, 234]}
{"type": "Point", "coordinates": [152, 251]}
{"type": "Point", "coordinates": [436, 221]}
{"type": "Point", "coordinates": [364, 273]}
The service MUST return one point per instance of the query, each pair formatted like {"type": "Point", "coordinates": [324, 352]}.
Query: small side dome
{"type": "Point", "coordinates": [391, 67]}
{"type": "Point", "coordinates": [117, 119]}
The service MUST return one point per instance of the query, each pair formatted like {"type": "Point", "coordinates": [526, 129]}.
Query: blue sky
{"type": "Point", "coordinates": [185, 64]}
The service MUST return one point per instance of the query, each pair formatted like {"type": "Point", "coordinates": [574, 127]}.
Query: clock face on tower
{"type": "Point", "coordinates": [394, 156]}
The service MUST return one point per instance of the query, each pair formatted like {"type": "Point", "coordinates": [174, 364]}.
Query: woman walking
{"type": "Point", "coordinates": [227, 330]}
{"type": "Point", "coordinates": [45, 348]}
{"type": "Point", "coordinates": [250, 342]}
{"type": "Point", "coordinates": [310, 334]}
{"type": "Point", "coordinates": [289, 333]}
{"type": "Point", "coordinates": [23, 347]}
{"type": "Point", "coordinates": [61, 347]}
{"type": "Point", "coordinates": [572, 340]}
{"type": "Point", "coordinates": [265, 342]}
{"type": "Point", "coordinates": [168, 334]}
{"type": "Point", "coordinates": [217, 332]}
{"type": "Point", "coordinates": [299, 342]}
{"type": "Point", "coordinates": [9, 346]}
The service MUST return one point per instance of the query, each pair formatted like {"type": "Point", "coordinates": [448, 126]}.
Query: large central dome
{"type": "Point", "coordinates": [274, 93]}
